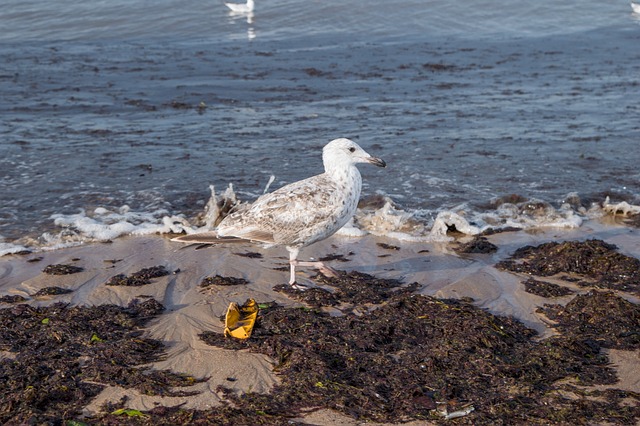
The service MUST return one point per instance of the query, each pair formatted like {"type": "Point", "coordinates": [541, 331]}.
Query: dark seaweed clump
{"type": "Point", "coordinates": [336, 257]}
{"type": "Point", "coordinates": [352, 288]}
{"type": "Point", "coordinates": [52, 291]}
{"type": "Point", "coordinates": [314, 296]}
{"type": "Point", "coordinates": [545, 289]}
{"type": "Point", "coordinates": [607, 319]}
{"type": "Point", "coordinates": [64, 356]}
{"type": "Point", "coordinates": [250, 255]}
{"type": "Point", "coordinates": [222, 281]}
{"type": "Point", "coordinates": [62, 269]}
{"type": "Point", "coordinates": [400, 361]}
{"type": "Point", "coordinates": [12, 298]}
{"type": "Point", "coordinates": [140, 278]}
{"type": "Point", "coordinates": [599, 262]}
{"type": "Point", "coordinates": [388, 246]}
{"type": "Point", "coordinates": [404, 360]}
{"type": "Point", "coordinates": [477, 245]}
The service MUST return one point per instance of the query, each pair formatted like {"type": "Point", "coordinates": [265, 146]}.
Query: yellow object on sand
{"type": "Point", "coordinates": [240, 319]}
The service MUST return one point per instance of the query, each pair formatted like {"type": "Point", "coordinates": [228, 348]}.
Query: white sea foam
{"type": "Point", "coordinates": [9, 248]}
{"type": "Point", "coordinates": [105, 224]}
{"type": "Point", "coordinates": [378, 215]}
{"type": "Point", "coordinates": [351, 230]}
{"type": "Point", "coordinates": [217, 207]}
{"type": "Point", "coordinates": [388, 219]}
{"type": "Point", "coordinates": [623, 208]}
{"type": "Point", "coordinates": [530, 214]}
{"type": "Point", "coordinates": [446, 220]}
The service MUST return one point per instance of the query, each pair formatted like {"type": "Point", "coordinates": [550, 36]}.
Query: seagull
{"type": "Point", "coordinates": [241, 7]}
{"type": "Point", "coordinates": [300, 213]}
{"type": "Point", "coordinates": [635, 7]}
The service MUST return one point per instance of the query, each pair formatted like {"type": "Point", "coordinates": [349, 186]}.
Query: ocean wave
{"type": "Point", "coordinates": [378, 215]}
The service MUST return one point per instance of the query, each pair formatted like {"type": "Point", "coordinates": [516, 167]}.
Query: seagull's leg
{"type": "Point", "coordinates": [293, 254]}
{"type": "Point", "coordinates": [325, 270]}
{"type": "Point", "coordinates": [293, 262]}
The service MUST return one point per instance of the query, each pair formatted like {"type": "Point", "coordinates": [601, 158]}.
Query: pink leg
{"type": "Point", "coordinates": [327, 271]}
{"type": "Point", "coordinates": [293, 254]}
{"type": "Point", "coordinates": [293, 262]}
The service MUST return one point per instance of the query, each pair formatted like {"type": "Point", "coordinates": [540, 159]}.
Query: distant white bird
{"type": "Point", "coordinates": [635, 7]}
{"type": "Point", "coordinates": [303, 212]}
{"type": "Point", "coordinates": [241, 7]}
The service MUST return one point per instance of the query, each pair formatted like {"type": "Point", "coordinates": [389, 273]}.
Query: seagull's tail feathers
{"type": "Point", "coordinates": [206, 238]}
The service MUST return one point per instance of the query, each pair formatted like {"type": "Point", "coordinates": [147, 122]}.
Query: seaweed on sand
{"type": "Point", "coordinates": [399, 361]}
{"type": "Point", "coordinates": [64, 356]}
{"type": "Point", "coordinates": [608, 319]}
{"type": "Point", "coordinates": [595, 260]}
{"type": "Point", "coordinates": [12, 298]}
{"type": "Point", "coordinates": [350, 288]}
{"type": "Point", "coordinates": [62, 269]}
{"type": "Point", "coordinates": [479, 244]}
{"type": "Point", "coordinates": [316, 297]}
{"type": "Point", "coordinates": [403, 358]}
{"type": "Point", "coordinates": [52, 291]}
{"type": "Point", "coordinates": [140, 278]}
{"type": "Point", "coordinates": [222, 281]}
{"type": "Point", "coordinates": [545, 289]}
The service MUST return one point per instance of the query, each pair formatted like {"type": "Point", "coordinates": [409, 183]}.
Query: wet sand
{"type": "Point", "coordinates": [190, 310]}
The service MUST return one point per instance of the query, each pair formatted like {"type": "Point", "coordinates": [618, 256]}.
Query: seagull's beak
{"type": "Point", "coordinates": [376, 161]}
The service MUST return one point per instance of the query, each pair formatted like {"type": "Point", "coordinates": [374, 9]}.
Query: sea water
{"type": "Point", "coordinates": [116, 117]}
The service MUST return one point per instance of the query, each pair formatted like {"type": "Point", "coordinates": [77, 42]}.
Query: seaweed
{"type": "Point", "coordinates": [13, 298]}
{"type": "Point", "coordinates": [402, 360]}
{"type": "Point", "coordinates": [316, 297]}
{"type": "Point", "coordinates": [360, 288]}
{"type": "Point", "coordinates": [610, 320]}
{"type": "Point", "coordinates": [545, 289]}
{"type": "Point", "coordinates": [335, 256]}
{"type": "Point", "coordinates": [140, 278]}
{"type": "Point", "coordinates": [250, 255]}
{"type": "Point", "coordinates": [595, 260]}
{"type": "Point", "coordinates": [64, 356]}
{"type": "Point", "coordinates": [479, 244]}
{"type": "Point", "coordinates": [62, 269]}
{"type": "Point", "coordinates": [349, 288]}
{"type": "Point", "coordinates": [392, 356]}
{"type": "Point", "coordinates": [398, 362]}
{"type": "Point", "coordinates": [52, 291]}
{"type": "Point", "coordinates": [388, 246]}
{"type": "Point", "coordinates": [222, 281]}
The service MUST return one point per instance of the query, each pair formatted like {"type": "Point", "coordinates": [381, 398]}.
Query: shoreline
{"type": "Point", "coordinates": [190, 310]}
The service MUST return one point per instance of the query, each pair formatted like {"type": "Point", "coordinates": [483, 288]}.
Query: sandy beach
{"type": "Point", "coordinates": [492, 275]}
{"type": "Point", "coordinates": [190, 310]}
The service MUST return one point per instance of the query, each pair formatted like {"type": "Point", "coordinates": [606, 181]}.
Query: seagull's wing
{"type": "Point", "coordinates": [293, 215]}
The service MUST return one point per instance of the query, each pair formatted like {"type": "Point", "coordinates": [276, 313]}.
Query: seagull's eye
{"type": "Point", "coordinates": [352, 149]}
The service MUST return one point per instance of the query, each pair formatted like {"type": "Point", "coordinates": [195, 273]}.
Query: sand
{"type": "Point", "coordinates": [190, 309]}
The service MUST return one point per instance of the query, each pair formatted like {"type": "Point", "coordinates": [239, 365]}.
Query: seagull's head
{"type": "Point", "coordinates": [346, 152]}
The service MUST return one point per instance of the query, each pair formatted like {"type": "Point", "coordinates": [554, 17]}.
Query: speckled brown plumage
{"type": "Point", "coordinates": [303, 212]}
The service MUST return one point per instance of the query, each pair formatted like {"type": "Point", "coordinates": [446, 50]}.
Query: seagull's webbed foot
{"type": "Point", "coordinates": [298, 287]}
